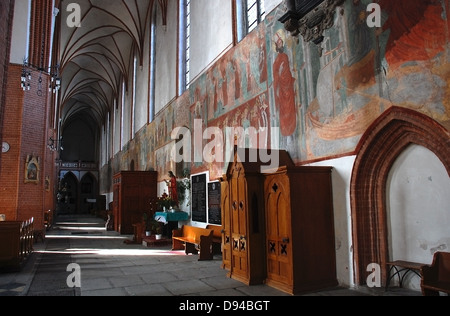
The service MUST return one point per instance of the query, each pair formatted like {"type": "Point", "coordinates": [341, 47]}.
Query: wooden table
{"type": "Point", "coordinates": [403, 266]}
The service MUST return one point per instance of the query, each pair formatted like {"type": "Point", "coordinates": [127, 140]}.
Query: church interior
{"type": "Point", "coordinates": [310, 138]}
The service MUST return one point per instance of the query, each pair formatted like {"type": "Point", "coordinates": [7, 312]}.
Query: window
{"type": "Point", "coordinates": [249, 14]}
{"type": "Point", "coordinates": [185, 45]}
{"type": "Point", "coordinates": [255, 13]}
{"type": "Point", "coordinates": [152, 81]}
{"type": "Point", "coordinates": [188, 42]}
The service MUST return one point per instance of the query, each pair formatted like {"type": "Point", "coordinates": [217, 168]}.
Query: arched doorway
{"type": "Point", "coordinates": [68, 195]}
{"type": "Point", "coordinates": [378, 150]}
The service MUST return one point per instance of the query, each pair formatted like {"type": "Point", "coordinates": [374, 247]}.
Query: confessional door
{"type": "Point", "coordinates": [278, 230]}
{"type": "Point", "coordinates": [300, 245]}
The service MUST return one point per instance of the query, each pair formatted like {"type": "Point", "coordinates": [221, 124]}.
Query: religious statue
{"type": "Point", "coordinates": [172, 184]}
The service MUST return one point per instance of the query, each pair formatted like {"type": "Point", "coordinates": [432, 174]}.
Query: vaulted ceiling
{"type": "Point", "coordinates": [96, 57]}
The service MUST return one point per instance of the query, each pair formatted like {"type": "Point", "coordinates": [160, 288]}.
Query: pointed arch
{"type": "Point", "coordinates": [384, 141]}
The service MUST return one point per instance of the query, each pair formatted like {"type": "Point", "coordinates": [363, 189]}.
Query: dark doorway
{"type": "Point", "coordinates": [68, 195]}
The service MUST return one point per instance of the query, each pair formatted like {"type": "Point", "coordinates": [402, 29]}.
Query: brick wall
{"type": "Point", "coordinates": [24, 123]}
{"type": "Point", "coordinates": [26, 128]}
{"type": "Point", "coordinates": [6, 13]}
{"type": "Point", "coordinates": [12, 122]}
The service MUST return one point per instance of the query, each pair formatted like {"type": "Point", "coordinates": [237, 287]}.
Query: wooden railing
{"type": "Point", "coordinates": [16, 243]}
{"type": "Point", "coordinates": [26, 239]}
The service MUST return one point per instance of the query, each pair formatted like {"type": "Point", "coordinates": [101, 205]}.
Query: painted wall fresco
{"type": "Point", "coordinates": [321, 102]}
{"type": "Point", "coordinates": [362, 71]}
{"type": "Point", "coordinates": [252, 117]}
{"type": "Point", "coordinates": [236, 78]}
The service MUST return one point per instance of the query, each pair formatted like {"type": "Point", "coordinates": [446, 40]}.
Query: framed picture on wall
{"type": "Point", "coordinates": [32, 169]}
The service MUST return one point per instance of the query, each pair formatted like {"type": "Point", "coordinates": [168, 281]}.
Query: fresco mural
{"type": "Point", "coordinates": [240, 75]}
{"type": "Point", "coordinates": [362, 72]}
{"type": "Point", "coordinates": [321, 101]}
{"type": "Point", "coordinates": [253, 118]}
{"type": "Point", "coordinates": [164, 161]}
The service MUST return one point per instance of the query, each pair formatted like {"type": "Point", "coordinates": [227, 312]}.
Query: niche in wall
{"type": "Point", "coordinates": [418, 208]}
{"type": "Point", "coordinates": [379, 149]}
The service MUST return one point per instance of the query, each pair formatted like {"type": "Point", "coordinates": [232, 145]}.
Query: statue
{"type": "Point", "coordinates": [172, 184]}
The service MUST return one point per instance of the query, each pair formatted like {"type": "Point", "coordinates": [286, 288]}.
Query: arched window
{"type": "Point", "coordinates": [185, 45]}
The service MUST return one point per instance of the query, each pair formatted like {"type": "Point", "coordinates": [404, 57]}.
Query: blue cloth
{"type": "Point", "coordinates": [171, 217]}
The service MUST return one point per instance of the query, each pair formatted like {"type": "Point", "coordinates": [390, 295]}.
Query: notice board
{"type": "Point", "coordinates": [214, 211]}
{"type": "Point", "coordinates": [199, 198]}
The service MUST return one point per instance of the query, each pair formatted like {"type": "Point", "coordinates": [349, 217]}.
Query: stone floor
{"type": "Point", "coordinates": [108, 266]}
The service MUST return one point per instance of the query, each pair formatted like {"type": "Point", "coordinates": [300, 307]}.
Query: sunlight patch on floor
{"type": "Point", "coordinates": [115, 252]}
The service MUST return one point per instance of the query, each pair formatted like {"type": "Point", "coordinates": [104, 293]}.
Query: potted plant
{"type": "Point", "coordinates": [157, 228]}
{"type": "Point", "coordinates": [147, 220]}
{"type": "Point", "coordinates": [165, 202]}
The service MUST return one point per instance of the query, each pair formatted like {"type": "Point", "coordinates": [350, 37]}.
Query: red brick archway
{"type": "Point", "coordinates": [384, 141]}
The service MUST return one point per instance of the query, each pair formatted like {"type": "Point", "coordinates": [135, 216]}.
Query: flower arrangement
{"type": "Point", "coordinates": [166, 202]}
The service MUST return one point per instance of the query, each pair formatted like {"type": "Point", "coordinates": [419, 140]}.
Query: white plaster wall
{"type": "Point", "coordinates": [20, 32]}
{"type": "Point", "coordinates": [166, 57]}
{"type": "Point", "coordinates": [142, 87]}
{"type": "Point", "coordinates": [418, 208]}
{"type": "Point", "coordinates": [271, 5]}
{"type": "Point", "coordinates": [117, 127]}
{"type": "Point", "coordinates": [341, 177]}
{"type": "Point", "coordinates": [211, 32]}
{"type": "Point", "coordinates": [128, 107]}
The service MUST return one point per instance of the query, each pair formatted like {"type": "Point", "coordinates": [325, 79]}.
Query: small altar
{"type": "Point", "coordinates": [171, 219]}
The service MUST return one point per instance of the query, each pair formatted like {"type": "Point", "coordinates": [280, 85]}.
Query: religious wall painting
{"type": "Point", "coordinates": [415, 30]}
{"type": "Point", "coordinates": [284, 86]}
{"type": "Point", "coordinates": [416, 59]}
{"type": "Point", "coordinates": [182, 110]}
{"type": "Point", "coordinates": [150, 144]}
{"type": "Point", "coordinates": [197, 122]}
{"type": "Point", "coordinates": [309, 97]}
{"type": "Point", "coordinates": [247, 126]}
{"type": "Point", "coordinates": [32, 169]}
{"type": "Point", "coordinates": [286, 67]}
{"type": "Point", "coordinates": [165, 160]}
{"type": "Point", "coordinates": [164, 125]}
{"type": "Point", "coordinates": [357, 80]}
{"type": "Point", "coordinates": [234, 79]}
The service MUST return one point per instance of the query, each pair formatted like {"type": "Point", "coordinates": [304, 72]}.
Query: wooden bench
{"type": "Point", "coordinates": [436, 277]}
{"type": "Point", "coordinates": [17, 243]}
{"type": "Point", "coordinates": [194, 240]}
{"type": "Point", "coordinates": [217, 238]}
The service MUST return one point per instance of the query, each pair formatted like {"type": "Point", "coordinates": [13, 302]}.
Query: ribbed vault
{"type": "Point", "coordinates": [98, 56]}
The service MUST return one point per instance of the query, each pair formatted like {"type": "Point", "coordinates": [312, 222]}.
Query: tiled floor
{"type": "Point", "coordinates": [110, 267]}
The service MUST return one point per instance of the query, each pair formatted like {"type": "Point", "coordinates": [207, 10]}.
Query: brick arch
{"type": "Point", "coordinates": [377, 151]}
